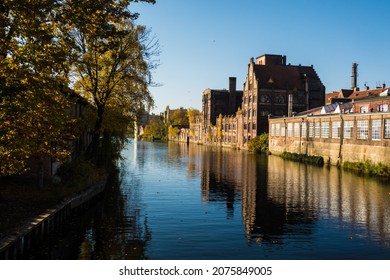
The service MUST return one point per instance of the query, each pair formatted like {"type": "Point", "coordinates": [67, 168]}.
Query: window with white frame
{"type": "Point", "coordinates": [289, 129]}
{"type": "Point", "coordinates": [296, 129]}
{"type": "Point", "coordinates": [277, 128]}
{"type": "Point", "coordinates": [325, 129]}
{"type": "Point", "coordinates": [348, 127]}
{"type": "Point", "coordinates": [311, 130]}
{"type": "Point", "coordinates": [362, 129]}
{"type": "Point", "coordinates": [387, 128]}
{"type": "Point", "coordinates": [317, 130]}
{"type": "Point", "coordinates": [283, 132]}
{"type": "Point", "coordinates": [376, 130]}
{"type": "Point", "coordinates": [383, 108]}
{"type": "Point", "coordinates": [336, 126]}
{"type": "Point", "coordinates": [303, 131]}
{"type": "Point", "coordinates": [273, 129]}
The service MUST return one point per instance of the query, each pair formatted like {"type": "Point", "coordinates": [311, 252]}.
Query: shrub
{"type": "Point", "coordinates": [368, 168]}
{"type": "Point", "coordinates": [259, 144]}
{"type": "Point", "coordinates": [315, 160]}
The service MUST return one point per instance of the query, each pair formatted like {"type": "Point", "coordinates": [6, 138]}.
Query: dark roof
{"type": "Point", "coordinates": [284, 76]}
{"type": "Point", "coordinates": [345, 93]}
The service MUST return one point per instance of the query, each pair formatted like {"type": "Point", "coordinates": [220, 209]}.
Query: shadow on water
{"type": "Point", "coordinates": [99, 234]}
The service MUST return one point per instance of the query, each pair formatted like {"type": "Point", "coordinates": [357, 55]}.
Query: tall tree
{"type": "Point", "coordinates": [34, 65]}
{"type": "Point", "coordinates": [47, 48]}
{"type": "Point", "coordinates": [112, 69]}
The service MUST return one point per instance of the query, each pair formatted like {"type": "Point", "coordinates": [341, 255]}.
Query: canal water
{"type": "Point", "coordinates": [178, 201]}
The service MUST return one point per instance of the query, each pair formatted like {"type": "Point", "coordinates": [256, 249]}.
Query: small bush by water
{"type": "Point", "coordinates": [259, 144]}
{"type": "Point", "coordinates": [368, 168]}
{"type": "Point", "coordinates": [315, 160]}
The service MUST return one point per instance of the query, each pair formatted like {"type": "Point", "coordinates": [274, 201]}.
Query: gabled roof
{"type": "Point", "coordinates": [329, 96]}
{"type": "Point", "coordinates": [367, 93]}
{"type": "Point", "coordinates": [284, 76]}
{"type": "Point", "coordinates": [344, 93]}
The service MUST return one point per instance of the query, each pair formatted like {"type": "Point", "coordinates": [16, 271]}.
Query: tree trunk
{"type": "Point", "coordinates": [93, 148]}
{"type": "Point", "coordinates": [40, 174]}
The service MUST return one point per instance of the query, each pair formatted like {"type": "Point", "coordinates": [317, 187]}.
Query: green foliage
{"type": "Point", "coordinates": [179, 117]}
{"type": "Point", "coordinates": [113, 63]}
{"type": "Point", "coordinates": [34, 65]}
{"type": "Point", "coordinates": [219, 127]}
{"type": "Point", "coordinates": [51, 49]}
{"type": "Point", "coordinates": [259, 144]}
{"type": "Point", "coordinates": [173, 131]}
{"type": "Point", "coordinates": [191, 113]}
{"type": "Point", "coordinates": [79, 173]}
{"type": "Point", "coordinates": [155, 128]}
{"type": "Point", "coordinates": [368, 168]}
{"type": "Point", "coordinates": [315, 160]}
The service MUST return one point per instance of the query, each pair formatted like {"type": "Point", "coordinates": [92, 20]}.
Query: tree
{"type": "Point", "coordinates": [34, 66]}
{"type": "Point", "coordinates": [179, 118]}
{"type": "Point", "coordinates": [259, 144]}
{"type": "Point", "coordinates": [191, 114]}
{"type": "Point", "coordinates": [156, 128]}
{"type": "Point", "coordinates": [112, 67]}
{"type": "Point", "coordinates": [51, 49]}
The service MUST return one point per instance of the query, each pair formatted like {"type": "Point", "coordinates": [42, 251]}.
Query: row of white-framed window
{"type": "Point", "coordinates": [333, 129]}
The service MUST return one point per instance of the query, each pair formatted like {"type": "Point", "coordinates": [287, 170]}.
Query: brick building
{"type": "Point", "coordinates": [274, 88]}
{"type": "Point", "coordinates": [220, 101]}
{"type": "Point", "coordinates": [360, 132]}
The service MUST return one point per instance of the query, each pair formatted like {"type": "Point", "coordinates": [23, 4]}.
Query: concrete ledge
{"type": "Point", "coordinates": [37, 228]}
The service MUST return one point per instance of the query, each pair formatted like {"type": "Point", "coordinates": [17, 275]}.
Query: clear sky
{"type": "Point", "coordinates": [204, 42]}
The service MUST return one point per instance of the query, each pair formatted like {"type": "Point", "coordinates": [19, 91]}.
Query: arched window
{"type": "Point", "coordinates": [264, 98]}
{"type": "Point", "coordinates": [279, 99]}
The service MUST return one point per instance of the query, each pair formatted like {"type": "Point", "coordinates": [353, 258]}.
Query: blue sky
{"type": "Point", "coordinates": [204, 42]}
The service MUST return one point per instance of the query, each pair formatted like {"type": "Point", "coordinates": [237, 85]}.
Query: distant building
{"type": "Point", "coordinates": [354, 131]}
{"type": "Point", "coordinates": [274, 88]}
{"type": "Point", "coordinates": [231, 117]}
{"type": "Point", "coordinates": [220, 101]}
{"type": "Point", "coordinates": [349, 95]}
{"type": "Point", "coordinates": [353, 94]}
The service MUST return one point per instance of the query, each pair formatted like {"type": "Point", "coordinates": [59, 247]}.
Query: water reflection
{"type": "Point", "coordinates": [119, 230]}
{"type": "Point", "coordinates": [281, 200]}
{"type": "Point", "coordinates": [181, 201]}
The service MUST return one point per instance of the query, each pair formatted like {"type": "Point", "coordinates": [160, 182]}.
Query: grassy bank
{"type": "Point", "coordinates": [368, 168]}
{"type": "Point", "coordinates": [315, 160]}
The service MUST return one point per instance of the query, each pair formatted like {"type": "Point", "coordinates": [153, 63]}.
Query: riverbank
{"type": "Point", "coordinates": [23, 206]}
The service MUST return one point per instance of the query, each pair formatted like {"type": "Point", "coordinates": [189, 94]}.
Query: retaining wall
{"type": "Point", "coordinates": [35, 231]}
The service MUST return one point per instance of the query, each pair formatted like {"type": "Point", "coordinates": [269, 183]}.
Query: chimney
{"type": "Point", "coordinates": [284, 60]}
{"type": "Point", "coordinates": [232, 95]}
{"type": "Point", "coordinates": [354, 76]}
{"type": "Point", "coordinates": [383, 85]}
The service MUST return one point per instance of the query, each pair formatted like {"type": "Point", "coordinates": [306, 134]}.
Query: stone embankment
{"type": "Point", "coordinates": [35, 231]}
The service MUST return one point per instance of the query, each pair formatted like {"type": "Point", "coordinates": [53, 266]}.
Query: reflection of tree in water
{"type": "Point", "coordinates": [116, 232]}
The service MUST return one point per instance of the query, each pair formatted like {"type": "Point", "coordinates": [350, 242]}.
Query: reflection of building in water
{"type": "Point", "coordinates": [218, 177]}
{"type": "Point", "coordinates": [278, 196]}
{"type": "Point", "coordinates": [330, 194]}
